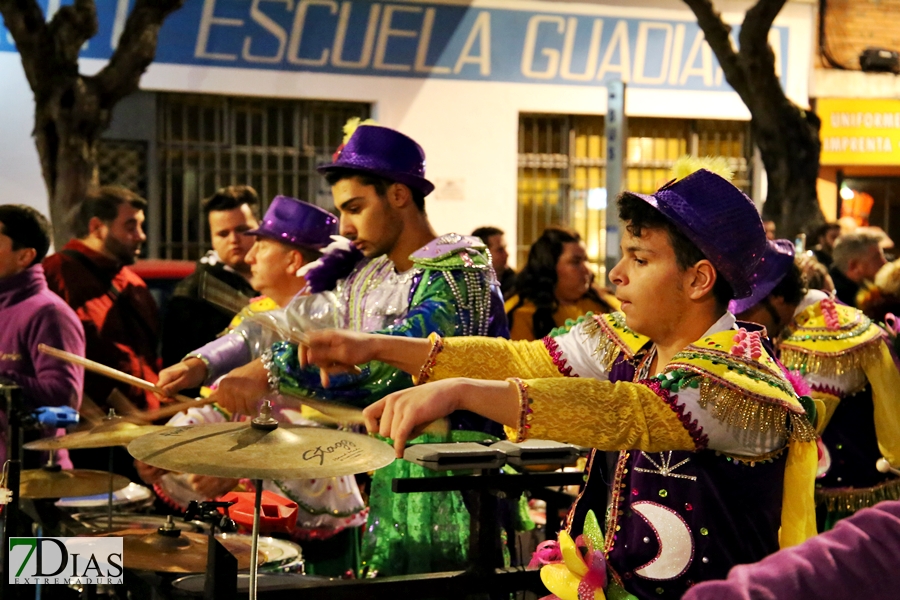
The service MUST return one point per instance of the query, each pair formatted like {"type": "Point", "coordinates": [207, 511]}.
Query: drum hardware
{"type": "Point", "coordinates": [262, 449]}
{"type": "Point", "coordinates": [221, 566]}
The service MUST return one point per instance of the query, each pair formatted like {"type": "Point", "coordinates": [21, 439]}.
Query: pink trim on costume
{"type": "Point", "coordinates": [693, 427]}
{"type": "Point", "coordinates": [161, 494]}
{"type": "Point", "coordinates": [828, 389]}
{"type": "Point", "coordinates": [557, 355]}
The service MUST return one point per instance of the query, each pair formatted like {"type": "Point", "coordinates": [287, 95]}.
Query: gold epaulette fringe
{"type": "Point", "coordinates": [737, 409]}
{"type": "Point", "coordinates": [809, 361]}
{"type": "Point", "coordinates": [854, 499]}
{"type": "Point", "coordinates": [607, 350]}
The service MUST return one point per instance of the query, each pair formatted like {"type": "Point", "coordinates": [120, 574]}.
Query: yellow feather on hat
{"type": "Point", "coordinates": [686, 165]}
{"type": "Point", "coordinates": [351, 125]}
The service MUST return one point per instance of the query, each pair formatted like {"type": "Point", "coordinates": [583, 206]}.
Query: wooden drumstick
{"type": "Point", "coordinates": [96, 367]}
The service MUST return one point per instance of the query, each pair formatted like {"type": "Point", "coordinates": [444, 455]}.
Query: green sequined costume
{"type": "Point", "coordinates": [450, 290]}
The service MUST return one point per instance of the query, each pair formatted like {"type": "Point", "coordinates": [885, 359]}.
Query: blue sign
{"type": "Point", "coordinates": [419, 40]}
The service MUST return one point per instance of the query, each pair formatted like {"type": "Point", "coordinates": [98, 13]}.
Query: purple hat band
{"type": "Point", "coordinates": [719, 219]}
{"type": "Point", "coordinates": [297, 223]}
{"type": "Point", "coordinates": [775, 263]}
{"type": "Point", "coordinates": [386, 153]}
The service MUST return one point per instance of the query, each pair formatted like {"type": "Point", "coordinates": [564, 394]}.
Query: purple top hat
{"type": "Point", "coordinates": [385, 153]}
{"type": "Point", "coordinates": [775, 263]}
{"type": "Point", "coordinates": [719, 219]}
{"type": "Point", "coordinates": [297, 223]}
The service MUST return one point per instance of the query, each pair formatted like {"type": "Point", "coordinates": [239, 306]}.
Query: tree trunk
{"type": "Point", "coordinates": [68, 125]}
{"type": "Point", "coordinates": [791, 158]}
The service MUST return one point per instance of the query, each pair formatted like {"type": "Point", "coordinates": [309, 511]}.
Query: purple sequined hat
{"type": "Point", "coordinates": [775, 263]}
{"type": "Point", "coordinates": [719, 219]}
{"type": "Point", "coordinates": [297, 223]}
{"type": "Point", "coordinates": [385, 153]}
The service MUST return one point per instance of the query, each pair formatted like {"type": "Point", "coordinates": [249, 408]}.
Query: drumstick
{"type": "Point", "coordinates": [96, 367]}
{"type": "Point", "coordinates": [171, 409]}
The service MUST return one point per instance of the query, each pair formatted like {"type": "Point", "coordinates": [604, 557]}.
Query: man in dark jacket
{"type": "Point", "coordinates": [191, 320]}
{"type": "Point", "coordinates": [857, 258]}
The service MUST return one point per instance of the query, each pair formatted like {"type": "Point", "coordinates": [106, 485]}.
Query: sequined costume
{"type": "Point", "coordinates": [844, 358]}
{"type": "Point", "coordinates": [449, 290]}
{"type": "Point", "coordinates": [326, 506]}
{"type": "Point", "coordinates": [703, 481]}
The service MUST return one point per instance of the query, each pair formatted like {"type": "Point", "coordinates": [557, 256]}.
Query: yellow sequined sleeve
{"type": "Point", "coordinates": [599, 414]}
{"type": "Point", "coordinates": [885, 382]}
{"type": "Point", "coordinates": [489, 358]}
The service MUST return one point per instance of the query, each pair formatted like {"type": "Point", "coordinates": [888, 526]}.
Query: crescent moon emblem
{"type": "Point", "coordinates": [676, 544]}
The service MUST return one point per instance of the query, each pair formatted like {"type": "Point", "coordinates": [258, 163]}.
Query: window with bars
{"type": "Point", "coordinates": [562, 169]}
{"type": "Point", "coordinates": [124, 163]}
{"type": "Point", "coordinates": [206, 142]}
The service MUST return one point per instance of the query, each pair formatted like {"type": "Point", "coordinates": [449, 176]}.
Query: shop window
{"type": "Point", "coordinates": [206, 142]}
{"type": "Point", "coordinates": [562, 169]}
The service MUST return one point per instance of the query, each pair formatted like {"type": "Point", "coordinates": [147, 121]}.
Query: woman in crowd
{"type": "Point", "coordinates": [555, 285]}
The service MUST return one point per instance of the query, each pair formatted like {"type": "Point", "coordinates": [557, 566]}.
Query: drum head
{"type": "Point", "coordinates": [193, 584]}
{"type": "Point", "coordinates": [277, 552]}
{"type": "Point", "coordinates": [97, 522]}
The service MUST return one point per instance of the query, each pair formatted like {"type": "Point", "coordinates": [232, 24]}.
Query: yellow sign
{"type": "Point", "coordinates": [859, 132]}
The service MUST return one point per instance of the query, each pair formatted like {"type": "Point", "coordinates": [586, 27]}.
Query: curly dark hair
{"type": "Point", "coordinates": [537, 280]}
{"type": "Point", "coordinates": [638, 215]}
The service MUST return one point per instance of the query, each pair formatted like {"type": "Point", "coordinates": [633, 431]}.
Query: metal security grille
{"type": "Point", "coordinates": [562, 169]}
{"type": "Point", "coordinates": [207, 142]}
{"type": "Point", "coordinates": [123, 163]}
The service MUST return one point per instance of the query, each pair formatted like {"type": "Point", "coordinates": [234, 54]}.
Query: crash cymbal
{"type": "Point", "coordinates": [175, 552]}
{"type": "Point", "coordinates": [110, 432]}
{"type": "Point", "coordinates": [53, 483]}
{"type": "Point", "coordinates": [246, 450]}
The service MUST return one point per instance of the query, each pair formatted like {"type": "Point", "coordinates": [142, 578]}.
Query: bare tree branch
{"type": "Point", "coordinates": [25, 21]}
{"type": "Point", "coordinates": [136, 50]}
{"type": "Point", "coordinates": [718, 37]}
{"type": "Point", "coordinates": [71, 27]}
{"type": "Point", "coordinates": [757, 23]}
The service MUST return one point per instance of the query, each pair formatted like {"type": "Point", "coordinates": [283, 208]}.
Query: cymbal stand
{"type": "Point", "coordinates": [11, 404]}
{"type": "Point", "coordinates": [109, 506]}
{"type": "Point", "coordinates": [264, 422]}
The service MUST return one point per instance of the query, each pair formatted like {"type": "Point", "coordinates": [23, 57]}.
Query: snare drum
{"type": "Point", "coordinates": [281, 556]}
{"type": "Point", "coordinates": [193, 584]}
{"type": "Point", "coordinates": [132, 498]}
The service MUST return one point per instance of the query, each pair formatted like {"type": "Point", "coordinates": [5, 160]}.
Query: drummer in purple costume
{"type": "Point", "coordinates": [398, 277]}
{"type": "Point", "coordinates": [717, 456]}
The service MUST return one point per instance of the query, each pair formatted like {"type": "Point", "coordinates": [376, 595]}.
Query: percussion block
{"type": "Point", "coordinates": [276, 514]}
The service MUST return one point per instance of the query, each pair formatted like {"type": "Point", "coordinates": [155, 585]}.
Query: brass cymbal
{"type": "Point", "coordinates": [50, 483]}
{"type": "Point", "coordinates": [182, 553]}
{"type": "Point", "coordinates": [243, 450]}
{"type": "Point", "coordinates": [114, 432]}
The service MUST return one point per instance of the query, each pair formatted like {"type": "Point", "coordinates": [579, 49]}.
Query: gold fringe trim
{"type": "Point", "coordinates": [736, 409]}
{"type": "Point", "coordinates": [752, 460]}
{"type": "Point", "coordinates": [854, 499]}
{"type": "Point", "coordinates": [608, 347]}
{"type": "Point", "coordinates": [833, 364]}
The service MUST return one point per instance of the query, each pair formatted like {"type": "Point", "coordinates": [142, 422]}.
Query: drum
{"type": "Point", "coordinates": [97, 522]}
{"type": "Point", "coordinates": [281, 556]}
{"type": "Point", "coordinates": [132, 498]}
{"type": "Point", "coordinates": [193, 584]}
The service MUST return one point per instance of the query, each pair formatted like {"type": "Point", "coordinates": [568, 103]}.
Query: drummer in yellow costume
{"type": "Point", "coordinates": [717, 458]}
{"type": "Point", "coordinates": [844, 358]}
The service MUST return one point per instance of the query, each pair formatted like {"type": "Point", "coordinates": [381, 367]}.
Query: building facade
{"type": "Point", "coordinates": [508, 98]}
